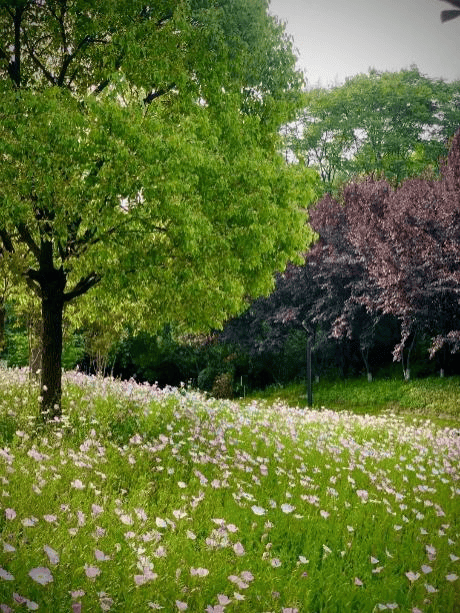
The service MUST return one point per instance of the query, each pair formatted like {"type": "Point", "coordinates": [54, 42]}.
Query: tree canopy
{"type": "Point", "coordinates": [395, 124]}
{"type": "Point", "coordinates": [382, 252]}
{"type": "Point", "coordinates": [140, 161]}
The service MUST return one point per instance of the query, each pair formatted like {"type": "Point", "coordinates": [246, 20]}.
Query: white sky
{"type": "Point", "coordinates": [339, 38]}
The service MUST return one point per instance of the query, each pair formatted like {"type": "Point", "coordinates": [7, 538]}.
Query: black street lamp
{"type": "Point", "coordinates": [310, 332]}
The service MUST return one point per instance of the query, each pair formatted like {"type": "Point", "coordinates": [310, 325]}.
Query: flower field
{"type": "Point", "coordinates": [143, 499]}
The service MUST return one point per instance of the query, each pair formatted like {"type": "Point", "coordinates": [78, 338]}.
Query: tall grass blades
{"type": "Point", "coordinates": [143, 499]}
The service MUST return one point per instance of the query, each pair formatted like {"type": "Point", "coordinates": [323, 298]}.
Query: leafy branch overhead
{"type": "Point", "coordinates": [139, 158]}
{"type": "Point", "coordinates": [452, 14]}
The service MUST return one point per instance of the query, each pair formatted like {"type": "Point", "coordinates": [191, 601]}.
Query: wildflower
{"type": "Point", "coordinates": [182, 606]}
{"type": "Point", "coordinates": [92, 571]}
{"type": "Point", "coordinates": [199, 572]}
{"type": "Point", "coordinates": [451, 577]}
{"type": "Point", "coordinates": [238, 549]}
{"type": "Point", "coordinates": [77, 484]}
{"type": "Point", "coordinates": [4, 574]}
{"type": "Point", "coordinates": [426, 569]}
{"type": "Point", "coordinates": [50, 518]}
{"type": "Point", "coordinates": [161, 523]}
{"type": "Point", "coordinates": [258, 510]}
{"type": "Point", "coordinates": [324, 514]}
{"type": "Point", "coordinates": [223, 599]}
{"type": "Point", "coordinates": [287, 508]}
{"type": "Point", "coordinates": [52, 555]}
{"type": "Point", "coordinates": [96, 510]}
{"type": "Point", "coordinates": [412, 576]}
{"type": "Point", "coordinates": [100, 556]}
{"type": "Point", "coordinates": [358, 582]}
{"type": "Point", "coordinates": [430, 589]}
{"type": "Point", "coordinates": [275, 562]}
{"type": "Point", "coordinates": [41, 575]}
{"type": "Point", "coordinates": [10, 513]}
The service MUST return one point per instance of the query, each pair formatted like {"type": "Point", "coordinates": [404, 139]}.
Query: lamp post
{"type": "Point", "coordinates": [309, 332]}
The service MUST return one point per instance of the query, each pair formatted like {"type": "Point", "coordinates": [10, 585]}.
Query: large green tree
{"type": "Point", "coordinates": [395, 124]}
{"type": "Point", "coordinates": [139, 159]}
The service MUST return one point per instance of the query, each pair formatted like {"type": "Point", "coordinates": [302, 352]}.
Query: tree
{"type": "Point", "coordinates": [383, 252]}
{"type": "Point", "coordinates": [404, 246]}
{"type": "Point", "coordinates": [139, 160]}
{"type": "Point", "coordinates": [393, 124]}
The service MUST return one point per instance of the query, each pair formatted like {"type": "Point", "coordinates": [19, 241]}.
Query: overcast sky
{"type": "Point", "coordinates": [340, 38]}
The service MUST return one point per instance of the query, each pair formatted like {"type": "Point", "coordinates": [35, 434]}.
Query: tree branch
{"type": "Point", "coordinates": [7, 242]}
{"type": "Point", "coordinates": [27, 238]}
{"type": "Point", "coordinates": [33, 281]}
{"type": "Point", "coordinates": [159, 92]}
{"type": "Point", "coordinates": [83, 286]}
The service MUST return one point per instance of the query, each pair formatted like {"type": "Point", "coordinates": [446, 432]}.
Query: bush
{"type": "Point", "coordinates": [223, 386]}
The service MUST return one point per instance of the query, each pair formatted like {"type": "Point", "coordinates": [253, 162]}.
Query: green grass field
{"type": "Point", "coordinates": [142, 499]}
{"type": "Point", "coordinates": [434, 397]}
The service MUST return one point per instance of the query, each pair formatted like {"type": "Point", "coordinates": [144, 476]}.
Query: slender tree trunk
{"type": "Point", "coordinates": [52, 310]}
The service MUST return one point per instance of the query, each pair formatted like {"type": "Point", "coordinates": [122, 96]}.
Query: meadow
{"type": "Point", "coordinates": [143, 499]}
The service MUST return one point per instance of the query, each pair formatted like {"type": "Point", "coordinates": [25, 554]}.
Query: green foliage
{"type": "Point", "coordinates": [140, 148]}
{"type": "Point", "coordinates": [396, 124]}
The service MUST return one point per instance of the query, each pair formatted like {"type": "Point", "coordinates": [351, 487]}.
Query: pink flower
{"type": "Point", "coordinates": [76, 607]}
{"type": "Point", "coordinates": [10, 513]}
{"type": "Point", "coordinates": [199, 572]}
{"type": "Point", "coordinates": [452, 577]}
{"type": "Point", "coordinates": [96, 510]}
{"type": "Point", "coordinates": [223, 599]}
{"type": "Point", "coordinates": [52, 555]}
{"type": "Point", "coordinates": [126, 519]}
{"type": "Point", "coordinates": [182, 606]}
{"type": "Point", "coordinates": [412, 576]}
{"type": "Point", "coordinates": [4, 574]}
{"type": "Point", "coordinates": [77, 484]}
{"type": "Point", "coordinates": [238, 549]}
{"type": "Point", "coordinates": [100, 556]}
{"type": "Point", "coordinates": [41, 575]}
{"type": "Point", "coordinates": [358, 582]}
{"type": "Point", "coordinates": [92, 571]}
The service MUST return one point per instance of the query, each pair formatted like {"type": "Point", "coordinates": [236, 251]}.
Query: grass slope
{"type": "Point", "coordinates": [141, 499]}
{"type": "Point", "coordinates": [433, 397]}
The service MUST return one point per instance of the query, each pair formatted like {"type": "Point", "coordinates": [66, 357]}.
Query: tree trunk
{"type": "Point", "coordinates": [52, 310]}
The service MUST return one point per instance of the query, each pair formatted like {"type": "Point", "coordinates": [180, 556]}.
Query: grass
{"type": "Point", "coordinates": [434, 397]}
{"type": "Point", "coordinates": [141, 499]}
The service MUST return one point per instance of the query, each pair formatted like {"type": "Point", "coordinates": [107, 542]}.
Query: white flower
{"type": "Point", "coordinates": [258, 510]}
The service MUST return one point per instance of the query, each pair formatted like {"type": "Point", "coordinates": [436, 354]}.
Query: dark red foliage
{"type": "Point", "coordinates": [409, 243]}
